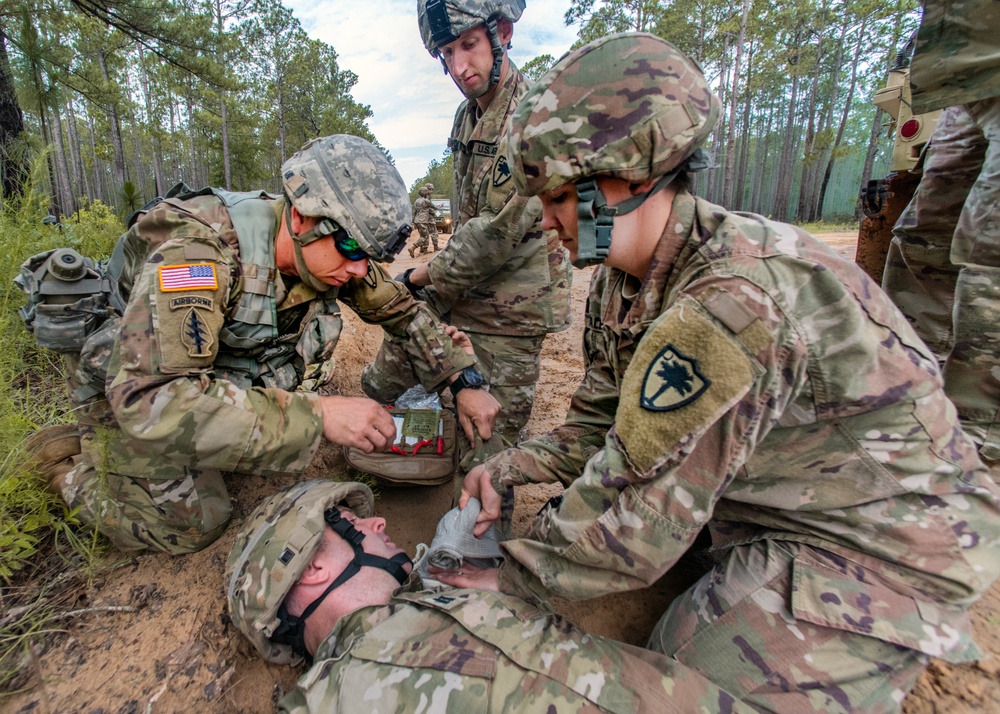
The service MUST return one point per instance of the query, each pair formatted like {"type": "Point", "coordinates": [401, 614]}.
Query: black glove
{"type": "Point", "coordinates": [415, 290]}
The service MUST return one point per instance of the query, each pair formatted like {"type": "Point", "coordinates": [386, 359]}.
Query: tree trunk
{"type": "Point", "coordinates": [99, 189]}
{"type": "Point", "coordinates": [809, 149]}
{"type": "Point", "coordinates": [783, 189]}
{"type": "Point", "coordinates": [730, 168]}
{"type": "Point", "coordinates": [154, 136]}
{"type": "Point", "coordinates": [117, 148]}
{"type": "Point", "coordinates": [73, 135]}
{"type": "Point", "coordinates": [66, 199]}
{"type": "Point", "coordinates": [13, 168]}
{"type": "Point", "coordinates": [862, 32]}
{"type": "Point", "coordinates": [222, 102]}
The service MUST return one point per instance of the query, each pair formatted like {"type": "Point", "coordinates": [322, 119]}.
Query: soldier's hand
{"type": "Point", "coordinates": [469, 576]}
{"type": "Point", "coordinates": [459, 339]}
{"type": "Point", "coordinates": [358, 422]}
{"type": "Point", "coordinates": [477, 412]}
{"type": "Point", "coordinates": [478, 484]}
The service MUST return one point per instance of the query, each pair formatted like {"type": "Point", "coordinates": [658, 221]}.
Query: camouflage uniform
{"type": "Point", "coordinates": [501, 278]}
{"type": "Point", "coordinates": [190, 396]}
{"type": "Point", "coordinates": [424, 220]}
{"type": "Point", "coordinates": [454, 650]}
{"type": "Point", "coordinates": [761, 386]}
{"type": "Point", "coordinates": [477, 651]}
{"type": "Point", "coordinates": [943, 268]}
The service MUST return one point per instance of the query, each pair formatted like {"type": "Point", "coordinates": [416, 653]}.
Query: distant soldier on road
{"type": "Point", "coordinates": [425, 220]}
{"type": "Point", "coordinates": [943, 268]}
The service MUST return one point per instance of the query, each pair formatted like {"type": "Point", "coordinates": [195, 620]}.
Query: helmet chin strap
{"type": "Point", "coordinates": [300, 262]}
{"type": "Point", "coordinates": [596, 219]}
{"type": "Point", "coordinates": [291, 630]}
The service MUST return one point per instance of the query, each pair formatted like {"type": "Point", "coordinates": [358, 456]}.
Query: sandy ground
{"type": "Point", "coordinates": [153, 634]}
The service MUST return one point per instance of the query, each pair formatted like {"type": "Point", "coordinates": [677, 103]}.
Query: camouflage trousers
{"type": "Point", "coordinates": [428, 232]}
{"type": "Point", "coordinates": [746, 628]}
{"type": "Point", "coordinates": [510, 364]}
{"type": "Point", "coordinates": [943, 268]}
{"type": "Point", "coordinates": [139, 500]}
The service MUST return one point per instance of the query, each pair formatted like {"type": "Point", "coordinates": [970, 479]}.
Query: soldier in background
{"type": "Point", "coordinates": [313, 574]}
{"type": "Point", "coordinates": [227, 338]}
{"type": "Point", "coordinates": [943, 268]}
{"type": "Point", "coordinates": [742, 376]}
{"type": "Point", "coordinates": [501, 279]}
{"type": "Point", "coordinates": [425, 220]}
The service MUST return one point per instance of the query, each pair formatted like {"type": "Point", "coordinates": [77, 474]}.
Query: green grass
{"type": "Point", "coordinates": [829, 227]}
{"type": "Point", "coordinates": [40, 539]}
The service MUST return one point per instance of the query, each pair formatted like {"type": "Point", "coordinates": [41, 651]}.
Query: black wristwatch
{"type": "Point", "coordinates": [468, 378]}
{"type": "Point", "coordinates": [404, 278]}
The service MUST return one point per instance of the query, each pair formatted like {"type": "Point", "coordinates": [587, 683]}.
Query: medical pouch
{"type": "Point", "coordinates": [424, 452]}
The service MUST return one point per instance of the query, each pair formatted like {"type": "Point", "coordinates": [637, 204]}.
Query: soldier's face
{"type": "Point", "coordinates": [325, 262]}
{"type": "Point", "coordinates": [470, 60]}
{"type": "Point", "coordinates": [376, 542]}
{"type": "Point", "coordinates": [559, 215]}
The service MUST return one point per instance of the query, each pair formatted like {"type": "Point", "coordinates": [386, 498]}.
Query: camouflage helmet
{"type": "Point", "coordinates": [272, 551]}
{"type": "Point", "coordinates": [629, 106]}
{"type": "Point", "coordinates": [426, 190]}
{"type": "Point", "coordinates": [442, 21]}
{"type": "Point", "coordinates": [347, 180]}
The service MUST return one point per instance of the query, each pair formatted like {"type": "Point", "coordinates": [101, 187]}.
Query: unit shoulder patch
{"type": "Point", "coordinates": [686, 373]}
{"type": "Point", "coordinates": [672, 381]}
{"type": "Point", "coordinates": [501, 172]}
{"type": "Point", "coordinates": [190, 276]}
{"type": "Point", "coordinates": [196, 334]}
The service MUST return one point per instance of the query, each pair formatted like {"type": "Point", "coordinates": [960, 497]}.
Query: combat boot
{"type": "Point", "coordinates": [51, 453]}
{"type": "Point", "coordinates": [410, 249]}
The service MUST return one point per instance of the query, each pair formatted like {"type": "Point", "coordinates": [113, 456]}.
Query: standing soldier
{"type": "Point", "coordinates": [230, 320]}
{"type": "Point", "coordinates": [943, 268]}
{"type": "Point", "coordinates": [501, 278]}
{"type": "Point", "coordinates": [425, 220]}
{"type": "Point", "coordinates": [742, 377]}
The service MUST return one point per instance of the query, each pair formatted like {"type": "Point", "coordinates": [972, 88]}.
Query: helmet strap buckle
{"type": "Point", "coordinates": [595, 219]}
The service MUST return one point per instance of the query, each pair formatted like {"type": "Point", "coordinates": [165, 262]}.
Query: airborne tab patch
{"type": "Point", "coordinates": [672, 381]}
{"type": "Point", "coordinates": [193, 276]}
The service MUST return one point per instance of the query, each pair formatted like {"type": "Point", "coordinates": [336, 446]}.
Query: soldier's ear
{"type": "Point", "coordinates": [505, 30]}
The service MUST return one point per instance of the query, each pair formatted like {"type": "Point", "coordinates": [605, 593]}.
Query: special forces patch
{"type": "Point", "coordinates": [195, 334]}
{"type": "Point", "coordinates": [672, 381]}
{"type": "Point", "coordinates": [501, 172]}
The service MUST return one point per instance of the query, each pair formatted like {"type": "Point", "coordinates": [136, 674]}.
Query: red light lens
{"type": "Point", "coordinates": [909, 129]}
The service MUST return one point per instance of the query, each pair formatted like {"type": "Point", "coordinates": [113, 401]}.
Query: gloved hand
{"type": "Point", "coordinates": [415, 290]}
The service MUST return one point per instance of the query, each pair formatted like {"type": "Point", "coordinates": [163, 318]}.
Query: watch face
{"type": "Point", "coordinates": [472, 377]}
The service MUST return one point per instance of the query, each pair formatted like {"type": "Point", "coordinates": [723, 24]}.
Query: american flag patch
{"type": "Point", "coordinates": [199, 276]}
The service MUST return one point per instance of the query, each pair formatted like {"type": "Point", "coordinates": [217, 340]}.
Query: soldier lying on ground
{"type": "Point", "coordinates": [740, 376]}
{"type": "Point", "coordinates": [227, 337]}
{"type": "Point", "coordinates": [312, 574]}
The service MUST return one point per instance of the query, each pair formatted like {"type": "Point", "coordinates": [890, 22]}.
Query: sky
{"type": "Point", "coordinates": [412, 100]}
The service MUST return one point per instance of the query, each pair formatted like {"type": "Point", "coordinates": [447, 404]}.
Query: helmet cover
{"type": "Point", "coordinates": [442, 21]}
{"type": "Point", "coordinates": [273, 549]}
{"type": "Point", "coordinates": [348, 180]}
{"type": "Point", "coordinates": [629, 106]}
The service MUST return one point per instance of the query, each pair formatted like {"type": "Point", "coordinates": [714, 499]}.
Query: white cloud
{"type": "Point", "coordinates": [413, 101]}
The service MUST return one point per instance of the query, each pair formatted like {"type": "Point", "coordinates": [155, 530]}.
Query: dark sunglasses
{"type": "Point", "coordinates": [347, 246]}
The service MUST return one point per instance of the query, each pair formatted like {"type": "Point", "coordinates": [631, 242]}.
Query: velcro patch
{"type": "Point", "coordinates": [192, 301]}
{"type": "Point", "coordinates": [501, 172]}
{"type": "Point", "coordinates": [672, 381]}
{"type": "Point", "coordinates": [196, 334]}
{"type": "Point", "coordinates": [686, 373]}
{"type": "Point", "coordinates": [192, 276]}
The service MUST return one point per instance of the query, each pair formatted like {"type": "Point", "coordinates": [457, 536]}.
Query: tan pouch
{"type": "Point", "coordinates": [425, 467]}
